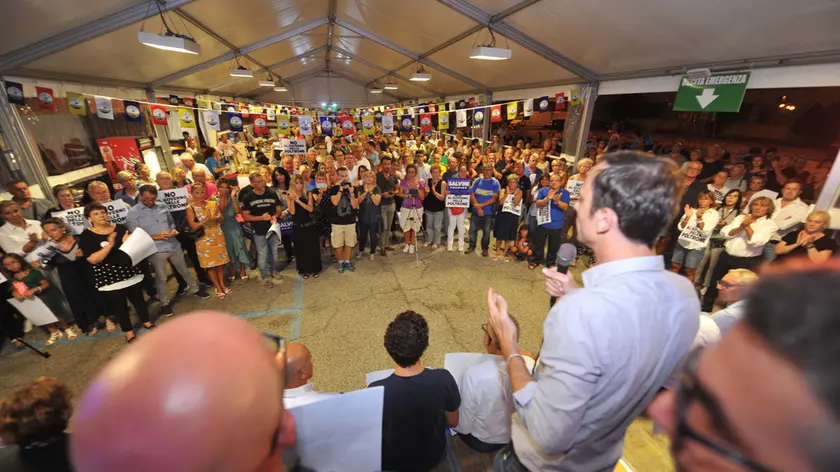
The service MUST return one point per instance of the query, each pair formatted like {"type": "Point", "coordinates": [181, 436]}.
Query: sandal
{"type": "Point", "coordinates": [93, 332]}
{"type": "Point", "coordinates": [315, 276]}
{"type": "Point", "coordinates": [305, 276]}
{"type": "Point", "coordinates": [17, 344]}
{"type": "Point", "coordinates": [532, 266]}
{"type": "Point", "coordinates": [244, 278]}
{"type": "Point", "coordinates": [497, 255]}
{"type": "Point", "coordinates": [507, 257]}
{"type": "Point", "coordinates": [110, 326]}
{"type": "Point", "coordinates": [220, 295]}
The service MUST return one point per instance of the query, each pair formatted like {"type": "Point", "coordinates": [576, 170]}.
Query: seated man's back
{"type": "Point", "coordinates": [414, 422]}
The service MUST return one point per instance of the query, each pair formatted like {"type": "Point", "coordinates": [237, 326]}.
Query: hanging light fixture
{"type": "Point", "coordinates": [269, 82]}
{"type": "Point", "coordinates": [375, 90]}
{"type": "Point", "coordinates": [240, 70]}
{"type": "Point", "coordinates": [391, 84]}
{"type": "Point", "coordinates": [170, 40]}
{"type": "Point", "coordinates": [420, 75]}
{"type": "Point", "coordinates": [489, 51]}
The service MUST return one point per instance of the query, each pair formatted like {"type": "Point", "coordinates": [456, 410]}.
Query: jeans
{"type": "Point", "coordinates": [485, 223]}
{"type": "Point", "coordinates": [710, 260]}
{"type": "Point", "coordinates": [690, 258]}
{"type": "Point", "coordinates": [367, 232]}
{"type": "Point", "coordinates": [434, 226]}
{"type": "Point", "coordinates": [266, 253]}
{"type": "Point", "coordinates": [387, 212]}
{"type": "Point", "coordinates": [554, 237]}
{"type": "Point", "coordinates": [158, 261]}
{"type": "Point", "coordinates": [456, 221]}
{"type": "Point", "coordinates": [506, 461]}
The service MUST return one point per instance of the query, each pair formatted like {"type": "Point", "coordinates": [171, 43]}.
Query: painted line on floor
{"type": "Point", "coordinates": [294, 331]}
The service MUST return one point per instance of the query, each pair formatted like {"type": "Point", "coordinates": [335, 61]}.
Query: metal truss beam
{"type": "Point", "coordinates": [388, 73]}
{"type": "Point", "coordinates": [86, 32]}
{"type": "Point", "coordinates": [273, 66]}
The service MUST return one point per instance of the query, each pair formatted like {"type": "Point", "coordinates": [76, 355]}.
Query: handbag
{"type": "Point", "coordinates": [193, 234]}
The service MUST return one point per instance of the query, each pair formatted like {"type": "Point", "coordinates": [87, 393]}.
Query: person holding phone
{"type": "Point", "coordinates": [343, 219]}
{"type": "Point", "coordinates": [413, 191]}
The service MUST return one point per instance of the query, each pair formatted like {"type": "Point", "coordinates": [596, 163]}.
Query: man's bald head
{"type": "Point", "coordinates": [298, 365]}
{"type": "Point", "coordinates": [201, 393]}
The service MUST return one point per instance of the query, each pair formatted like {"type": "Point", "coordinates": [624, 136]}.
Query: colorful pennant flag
{"type": "Point", "coordinates": [235, 120]}
{"type": "Point", "coordinates": [76, 103]}
{"type": "Point", "coordinates": [189, 102]}
{"type": "Point", "coordinates": [575, 97]}
{"type": "Point", "coordinates": [528, 107]}
{"type": "Point", "coordinates": [478, 117]}
{"type": "Point", "coordinates": [406, 123]}
{"type": "Point", "coordinates": [462, 104]}
{"type": "Point", "coordinates": [15, 92]}
{"type": "Point", "coordinates": [443, 120]}
{"type": "Point", "coordinates": [174, 100]}
{"type": "Point", "coordinates": [305, 125]}
{"type": "Point", "coordinates": [347, 126]}
{"type": "Point", "coordinates": [543, 105]}
{"type": "Point", "coordinates": [560, 101]}
{"type": "Point", "coordinates": [159, 115]}
{"type": "Point", "coordinates": [388, 123]}
{"type": "Point", "coordinates": [283, 124]}
{"type": "Point", "coordinates": [326, 126]}
{"type": "Point", "coordinates": [368, 126]}
{"type": "Point", "coordinates": [271, 114]}
{"type": "Point", "coordinates": [211, 119]}
{"type": "Point", "coordinates": [426, 123]}
{"type": "Point", "coordinates": [204, 104]}
{"type": "Point", "coordinates": [512, 111]}
{"type": "Point", "coordinates": [244, 111]}
{"type": "Point", "coordinates": [186, 117]}
{"type": "Point", "coordinates": [261, 124]}
{"type": "Point", "coordinates": [104, 108]}
{"type": "Point", "coordinates": [432, 107]}
{"type": "Point", "coordinates": [495, 113]}
{"type": "Point", "coordinates": [461, 118]}
{"type": "Point", "coordinates": [46, 99]}
{"type": "Point", "coordinates": [132, 111]}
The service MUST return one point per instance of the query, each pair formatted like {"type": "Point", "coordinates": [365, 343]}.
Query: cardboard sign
{"type": "Point", "coordinates": [175, 199]}
{"type": "Point", "coordinates": [544, 214]}
{"type": "Point", "coordinates": [74, 218]}
{"type": "Point", "coordinates": [117, 212]}
{"type": "Point", "coordinates": [294, 146]}
{"type": "Point", "coordinates": [459, 193]}
{"type": "Point", "coordinates": [574, 186]}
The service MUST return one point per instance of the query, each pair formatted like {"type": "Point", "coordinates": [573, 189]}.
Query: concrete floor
{"type": "Point", "coordinates": [342, 318]}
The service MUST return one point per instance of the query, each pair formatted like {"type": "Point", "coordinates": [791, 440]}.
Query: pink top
{"type": "Point", "coordinates": [412, 202]}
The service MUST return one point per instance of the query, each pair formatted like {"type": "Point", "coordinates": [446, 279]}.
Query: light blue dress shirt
{"type": "Point", "coordinates": [153, 221]}
{"type": "Point", "coordinates": [730, 315]}
{"type": "Point", "coordinates": [608, 348]}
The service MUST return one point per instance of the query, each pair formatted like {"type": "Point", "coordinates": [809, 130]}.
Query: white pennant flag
{"type": "Point", "coordinates": [104, 108]}
{"type": "Point", "coordinates": [388, 124]}
{"type": "Point", "coordinates": [461, 118]}
{"type": "Point", "coordinates": [271, 113]}
{"type": "Point", "coordinates": [529, 107]}
{"type": "Point", "coordinates": [305, 124]}
{"type": "Point", "coordinates": [211, 119]}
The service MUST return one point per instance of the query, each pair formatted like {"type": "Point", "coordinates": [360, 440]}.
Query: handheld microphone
{"type": "Point", "coordinates": [565, 256]}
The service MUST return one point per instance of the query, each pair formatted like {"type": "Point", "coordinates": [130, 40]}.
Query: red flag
{"type": "Point", "coordinates": [260, 124]}
{"type": "Point", "coordinates": [560, 101]}
{"type": "Point", "coordinates": [159, 114]}
{"type": "Point", "coordinates": [245, 111]}
{"type": "Point", "coordinates": [471, 102]}
{"type": "Point", "coordinates": [46, 99]}
{"type": "Point", "coordinates": [432, 107]}
{"type": "Point", "coordinates": [426, 123]}
{"type": "Point", "coordinates": [496, 113]}
{"type": "Point", "coordinates": [347, 125]}
{"type": "Point", "coordinates": [189, 102]}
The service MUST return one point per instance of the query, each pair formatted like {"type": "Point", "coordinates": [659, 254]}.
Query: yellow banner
{"type": "Point", "coordinates": [575, 97]}
{"type": "Point", "coordinates": [443, 120]}
{"type": "Point", "coordinates": [76, 103]}
{"type": "Point", "coordinates": [367, 125]}
{"type": "Point", "coordinates": [283, 124]}
{"type": "Point", "coordinates": [186, 117]}
{"type": "Point", "coordinates": [205, 104]}
{"type": "Point", "coordinates": [512, 110]}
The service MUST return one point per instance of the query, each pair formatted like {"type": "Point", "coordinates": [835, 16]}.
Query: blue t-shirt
{"type": "Point", "coordinates": [211, 164]}
{"type": "Point", "coordinates": [557, 215]}
{"type": "Point", "coordinates": [484, 189]}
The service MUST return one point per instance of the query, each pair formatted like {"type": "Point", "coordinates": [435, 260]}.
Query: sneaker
{"type": "Point", "coordinates": [361, 254]}
{"type": "Point", "coordinates": [460, 248]}
{"type": "Point", "coordinates": [71, 333]}
{"type": "Point", "coordinates": [55, 336]}
{"type": "Point", "coordinates": [405, 248]}
{"type": "Point", "coordinates": [469, 250]}
{"type": "Point", "coordinates": [434, 246]}
{"type": "Point", "coordinates": [449, 248]}
{"type": "Point", "coordinates": [411, 249]}
{"type": "Point", "coordinates": [202, 293]}
{"type": "Point", "coordinates": [268, 283]}
{"type": "Point", "coordinates": [371, 257]}
{"type": "Point", "coordinates": [166, 311]}
{"type": "Point", "coordinates": [182, 290]}
{"type": "Point", "coordinates": [350, 266]}
{"type": "Point", "coordinates": [426, 244]}
{"type": "Point", "coordinates": [484, 253]}
{"type": "Point", "coordinates": [340, 267]}
{"type": "Point", "coordinates": [27, 326]}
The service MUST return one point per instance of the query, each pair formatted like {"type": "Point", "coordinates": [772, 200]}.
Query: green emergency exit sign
{"type": "Point", "coordinates": [718, 92]}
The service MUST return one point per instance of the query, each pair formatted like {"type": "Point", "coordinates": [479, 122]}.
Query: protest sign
{"type": "Point", "coordinates": [544, 214]}
{"type": "Point", "coordinates": [510, 206]}
{"type": "Point", "coordinates": [459, 193]}
{"type": "Point", "coordinates": [117, 212]}
{"type": "Point", "coordinates": [573, 186]}
{"type": "Point", "coordinates": [74, 218]}
{"type": "Point", "coordinates": [294, 146]}
{"type": "Point", "coordinates": [175, 198]}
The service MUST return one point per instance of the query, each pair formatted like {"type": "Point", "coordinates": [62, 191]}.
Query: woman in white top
{"type": "Point", "coordinates": [746, 237]}
{"type": "Point", "coordinates": [696, 226]}
{"type": "Point", "coordinates": [18, 235]}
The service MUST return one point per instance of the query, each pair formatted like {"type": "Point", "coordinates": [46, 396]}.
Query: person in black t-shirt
{"type": "Point", "coordinates": [810, 242]}
{"type": "Point", "coordinates": [343, 220]}
{"type": "Point", "coordinates": [261, 208]}
{"type": "Point", "coordinates": [419, 403]}
{"type": "Point", "coordinates": [781, 170]}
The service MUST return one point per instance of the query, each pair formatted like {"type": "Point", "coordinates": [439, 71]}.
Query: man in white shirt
{"type": "Point", "coordinates": [423, 169]}
{"type": "Point", "coordinates": [189, 164]}
{"type": "Point", "coordinates": [360, 159]}
{"type": "Point", "coordinates": [298, 374]}
{"type": "Point", "coordinates": [746, 237]}
{"type": "Point", "coordinates": [486, 402]}
{"type": "Point", "coordinates": [732, 288]}
{"type": "Point", "coordinates": [789, 214]}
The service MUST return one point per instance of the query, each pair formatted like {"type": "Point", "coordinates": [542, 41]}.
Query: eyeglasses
{"type": "Point", "coordinates": [689, 389]}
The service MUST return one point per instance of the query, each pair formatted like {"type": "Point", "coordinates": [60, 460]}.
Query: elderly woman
{"type": "Point", "coordinates": [302, 205]}
{"type": "Point", "coordinates": [18, 235]}
{"type": "Point", "coordinates": [209, 187]}
{"type": "Point", "coordinates": [114, 274]}
{"type": "Point", "coordinates": [810, 242]}
{"type": "Point", "coordinates": [33, 421]}
{"type": "Point", "coordinates": [369, 196]}
{"type": "Point", "coordinates": [573, 185]}
{"type": "Point", "coordinates": [434, 206]}
{"type": "Point", "coordinates": [204, 215]}
{"type": "Point", "coordinates": [64, 196]}
{"type": "Point", "coordinates": [510, 200]}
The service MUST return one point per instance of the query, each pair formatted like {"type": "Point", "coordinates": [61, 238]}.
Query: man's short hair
{"type": "Point", "coordinates": [743, 276]}
{"type": "Point", "coordinates": [385, 157]}
{"type": "Point", "coordinates": [254, 175]}
{"type": "Point", "coordinates": [148, 188]}
{"type": "Point", "coordinates": [643, 191]}
{"type": "Point", "coordinates": [342, 169]}
{"type": "Point", "coordinates": [406, 338]}
{"type": "Point", "coordinates": [14, 182]}
{"type": "Point", "coordinates": [94, 184]}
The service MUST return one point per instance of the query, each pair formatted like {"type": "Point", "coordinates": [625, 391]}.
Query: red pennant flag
{"type": "Point", "coordinates": [471, 102]}
{"type": "Point", "coordinates": [245, 111]}
{"type": "Point", "coordinates": [347, 125]}
{"type": "Point", "coordinates": [426, 123]}
{"type": "Point", "coordinates": [560, 101]}
{"type": "Point", "coordinates": [432, 107]}
{"type": "Point", "coordinates": [159, 114]}
{"type": "Point", "coordinates": [496, 113]}
{"type": "Point", "coordinates": [189, 102]}
{"type": "Point", "coordinates": [260, 124]}
{"type": "Point", "coordinates": [46, 99]}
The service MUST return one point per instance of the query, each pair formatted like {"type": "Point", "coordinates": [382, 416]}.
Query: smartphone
{"type": "Point", "coordinates": [413, 192]}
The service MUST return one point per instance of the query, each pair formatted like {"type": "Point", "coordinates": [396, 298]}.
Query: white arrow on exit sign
{"type": "Point", "coordinates": [707, 97]}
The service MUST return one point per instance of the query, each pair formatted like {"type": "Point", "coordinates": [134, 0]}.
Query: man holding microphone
{"type": "Point", "coordinates": [609, 346]}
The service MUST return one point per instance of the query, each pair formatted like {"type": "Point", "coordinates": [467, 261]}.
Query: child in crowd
{"type": "Point", "coordinates": [522, 249]}
{"type": "Point", "coordinates": [26, 282]}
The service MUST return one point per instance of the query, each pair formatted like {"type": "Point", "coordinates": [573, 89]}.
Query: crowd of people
{"type": "Point", "coordinates": [631, 341]}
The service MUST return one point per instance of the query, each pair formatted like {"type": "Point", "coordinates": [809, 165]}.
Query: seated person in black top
{"type": "Point", "coordinates": [32, 424]}
{"type": "Point", "coordinates": [810, 241]}
{"type": "Point", "coordinates": [419, 403]}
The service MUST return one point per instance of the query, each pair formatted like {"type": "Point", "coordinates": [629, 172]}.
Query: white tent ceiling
{"type": "Point", "coordinates": [334, 50]}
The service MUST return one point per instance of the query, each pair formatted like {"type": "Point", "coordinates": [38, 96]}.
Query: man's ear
{"type": "Point", "coordinates": [605, 220]}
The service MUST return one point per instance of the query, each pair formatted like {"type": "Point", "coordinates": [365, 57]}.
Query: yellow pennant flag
{"type": "Point", "coordinates": [367, 125]}
{"type": "Point", "coordinates": [186, 117]}
{"type": "Point", "coordinates": [283, 124]}
{"type": "Point", "coordinates": [76, 103]}
{"type": "Point", "coordinates": [512, 109]}
{"type": "Point", "coordinates": [575, 97]}
{"type": "Point", "coordinates": [205, 104]}
{"type": "Point", "coordinates": [443, 120]}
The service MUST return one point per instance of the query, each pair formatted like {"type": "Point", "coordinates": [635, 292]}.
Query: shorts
{"type": "Point", "coordinates": [343, 235]}
{"type": "Point", "coordinates": [411, 219]}
{"type": "Point", "coordinates": [691, 257]}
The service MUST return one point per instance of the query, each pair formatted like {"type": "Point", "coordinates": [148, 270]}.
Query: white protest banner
{"type": "Point", "coordinates": [544, 214]}
{"type": "Point", "coordinates": [510, 206]}
{"type": "Point", "coordinates": [34, 310]}
{"type": "Point", "coordinates": [459, 193]}
{"type": "Point", "coordinates": [372, 377]}
{"type": "Point", "coordinates": [718, 193]}
{"type": "Point", "coordinates": [117, 212]}
{"type": "Point", "coordinates": [138, 246]}
{"type": "Point", "coordinates": [693, 233]}
{"type": "Point", "coordinates": [74, 218]}
{"type": "Point", "coordinates": [174, 198]}
{"type": "Point", "coordinates": [573, 186]}
{"type": "Point", "coordinates": [388, 124]}
{"type": "Point", "coordinates": [43, 253]}
{"type": "Point", "coordinates": [411, 143]}
{"type": "Point", "coordinates": [294, 146]}
{"type": "Point", "coordinates": [343, 432]}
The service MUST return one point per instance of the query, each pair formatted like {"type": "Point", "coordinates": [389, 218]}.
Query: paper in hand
{"type": "Point", "coordinates": [34, 310]}
{"type": "Point", "coordinates": [372, 377]}
{"type": "Point", "coordinates": [138, 246]}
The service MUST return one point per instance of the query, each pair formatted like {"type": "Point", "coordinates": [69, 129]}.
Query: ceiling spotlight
{"type": "Point", "coordinates": [421, 75]}
{"type": "Point", "coordinates": [169, 42]}
{"type": "Point", "coordinates": [781, 105]}
{"type": "Point", "coordinates": [335, 105]}
{"type": "Point", "coordinates": [323, 104]}
{"type": "Point", "coordinates": [489, 51]}
{"type": "Point", "coordinates": [280, 88]}
{"type": "Point", "coordinates": [269, 82]}
{"type": "Point", "coordinates": [391, 84]}
{"type": "Point", "coordinates": [241, 71]}
{"type": "Point", "coordinates": [375, 90]}
{"type": "Point", "coordinates": [791, 107]}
